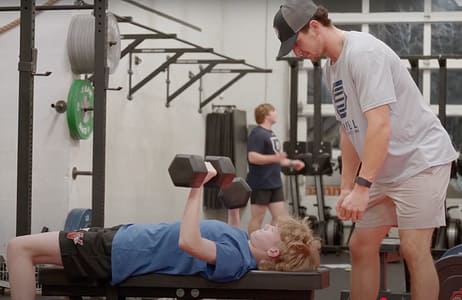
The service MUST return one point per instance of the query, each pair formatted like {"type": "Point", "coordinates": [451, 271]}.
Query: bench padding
{"type": "Point", "coordinates": [254, 285]}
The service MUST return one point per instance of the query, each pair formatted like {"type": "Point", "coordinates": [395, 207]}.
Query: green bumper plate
{"type": "Point", "coordinates": [80, 109]}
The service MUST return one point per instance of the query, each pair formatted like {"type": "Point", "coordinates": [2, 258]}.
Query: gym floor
{"type": "Point", "coordinates": [339, 278]}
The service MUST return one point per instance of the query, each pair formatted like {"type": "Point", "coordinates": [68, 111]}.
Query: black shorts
{"type": "Point", "coordinates": [264, 197]}
{"type": "Point", "coordinates": [87, 254]}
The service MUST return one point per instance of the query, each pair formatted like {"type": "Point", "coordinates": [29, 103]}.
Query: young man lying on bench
{"type": "Point", "coordinates": [212, 249]}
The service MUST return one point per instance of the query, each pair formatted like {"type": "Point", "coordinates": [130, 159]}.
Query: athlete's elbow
{"type": "Point", "coordinates": [187, 242]}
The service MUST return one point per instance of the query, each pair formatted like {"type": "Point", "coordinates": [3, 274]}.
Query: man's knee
{"type": "Point", "coordinates": [415, 246]}
{"type": "Point", "coordinates": [15, 247]}
{"type": "Point", "coordinates": [365, 244]}
{"type": "Point", "coordinates": [257, 215]}
{"type": "Point", "coordinates": [413, 253]}
{"type": "Point", "coordinates": [278, 209]}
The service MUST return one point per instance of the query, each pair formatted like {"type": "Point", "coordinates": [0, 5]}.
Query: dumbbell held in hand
{"type": "Point", "coordinates": [188, 170]}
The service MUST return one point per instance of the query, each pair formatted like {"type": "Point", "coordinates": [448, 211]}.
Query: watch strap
{"type": "Point", "coordinates": [363, 182]}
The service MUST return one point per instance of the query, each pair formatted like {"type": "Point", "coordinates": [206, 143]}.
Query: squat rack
{"type": "Point", "coordinates": [27, 71]}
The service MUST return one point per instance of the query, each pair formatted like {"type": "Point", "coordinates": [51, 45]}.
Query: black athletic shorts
{"type": "Point", "coordinates": [87, 254]}
{"type": "Point", "coordinates": [264, 197]}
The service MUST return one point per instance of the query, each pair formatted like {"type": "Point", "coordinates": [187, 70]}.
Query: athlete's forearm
{"type": "Point", "coordinates": [350, 162]}
{"type": "Point", "coordinates": [263, 159]}
{"type": "Point", "coordinates": [234, 218]}
{"type": "Point", "coordinates": [376, 144]}
{"type": "Point", "coordinates": [189, 229]}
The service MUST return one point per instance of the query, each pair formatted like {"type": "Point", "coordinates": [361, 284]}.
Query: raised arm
{"type": "Point", "coordinates": [191, 240]}
{"type": "Point", "coordinates": [234, 217]}
{"type": "Point", "coordinates": [278, 158]}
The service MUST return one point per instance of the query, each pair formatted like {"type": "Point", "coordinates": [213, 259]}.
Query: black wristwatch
{"type": "Point", "coordinates": [363, 182]}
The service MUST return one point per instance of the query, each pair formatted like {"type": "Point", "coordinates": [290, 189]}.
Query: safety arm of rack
{"type": "Point", "coordinates": [221, 90]}
{"type": "Point", "coordinates": [189, 83]}
{"type": "Point", "coordinates": [240, 73]}
{"type": "Point", "coordinates": [154, 73]}
{"type": "Point", "coordinates": [139, 38]}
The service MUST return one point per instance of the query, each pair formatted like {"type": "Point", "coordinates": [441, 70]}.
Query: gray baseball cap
{"type": "Point", "coordinates": [289, 19]}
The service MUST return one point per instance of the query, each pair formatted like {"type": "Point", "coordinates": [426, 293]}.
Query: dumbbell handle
{"type": "Point", "coordinates": [225, 171]}
{"type": "Point", "coordinates": [188, 170]}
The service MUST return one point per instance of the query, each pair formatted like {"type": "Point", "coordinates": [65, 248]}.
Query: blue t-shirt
{"type": "Point", "coordinates": [262, 177]}
{"type": "Point", "coordinates": [153, 248]}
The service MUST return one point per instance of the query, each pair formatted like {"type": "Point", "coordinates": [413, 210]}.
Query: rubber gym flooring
{"type": "Point", "coordinates": [339, 278]}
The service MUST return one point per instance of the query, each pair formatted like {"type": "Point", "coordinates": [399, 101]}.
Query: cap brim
{"type": "Point", "coordinates": [287, 46]}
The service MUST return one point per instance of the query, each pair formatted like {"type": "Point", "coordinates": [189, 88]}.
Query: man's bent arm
{"type": "Point", "coordinates": [266, 159]}
{"type": "Point", "coordinates": [191, 240]}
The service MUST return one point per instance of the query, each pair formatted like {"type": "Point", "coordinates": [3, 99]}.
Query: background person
{"type": "Point", "coordinates": [265, 157]}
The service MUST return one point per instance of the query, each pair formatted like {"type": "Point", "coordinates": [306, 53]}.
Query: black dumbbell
{"type": "Point", "coordinates": [235, 195]}
{"type": "Point", "coordinates": [188, 170]}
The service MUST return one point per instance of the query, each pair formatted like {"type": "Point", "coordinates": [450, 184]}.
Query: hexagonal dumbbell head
{"type": "Point", "coordinates": [235, 195]}
{"type": "Point", "coordinates": [225, 171]}
{"type": "Point", "coordinates": [187, 170]}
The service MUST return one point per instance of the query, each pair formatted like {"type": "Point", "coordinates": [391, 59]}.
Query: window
{"type": "Point", "coordinates": [446, 5]}
{"type": "Point", "coordinates": [453, 86]}
{"type": "Point", "coordinates": [341, 5]}
{"type": "Point", "coordinates": [396, 5]}
{"type": "Point", "coordinates": [446, 38]}
{"type": "Point", "coordinates": [404, 39]}
{"type": "Point", "coordinates": [429, 31]}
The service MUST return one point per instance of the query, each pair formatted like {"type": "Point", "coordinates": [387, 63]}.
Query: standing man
{"type": "Point", "coordinates": [404, 152]}
{"type": "Point", "coordinates": [265, 158]}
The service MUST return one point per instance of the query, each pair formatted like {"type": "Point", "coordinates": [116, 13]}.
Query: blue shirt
{"type": "Point", "coordinates": [153, 248]}
{"type": "Point", "coordinates": [262, 177]}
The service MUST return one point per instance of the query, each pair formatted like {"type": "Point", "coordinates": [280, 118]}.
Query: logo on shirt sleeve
{"type": "Point", "coordinates": [340, 99]}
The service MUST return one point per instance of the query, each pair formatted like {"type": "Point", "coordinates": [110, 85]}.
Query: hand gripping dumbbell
{"type": "Point", "coordinates": [187, 170]}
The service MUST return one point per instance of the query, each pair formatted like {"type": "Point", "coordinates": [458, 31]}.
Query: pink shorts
{"type": "Point", "coordinates": [418, 202]}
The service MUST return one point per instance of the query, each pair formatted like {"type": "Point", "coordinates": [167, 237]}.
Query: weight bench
{"type": "Point", "coordinates": [254, 285]}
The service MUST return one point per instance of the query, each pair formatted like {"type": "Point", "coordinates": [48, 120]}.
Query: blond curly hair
{"type": "Point", "coordinates": [299, 248]}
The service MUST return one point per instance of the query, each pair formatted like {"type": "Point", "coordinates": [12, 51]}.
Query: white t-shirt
{"type": "Point", "coordinates": [369, 74]}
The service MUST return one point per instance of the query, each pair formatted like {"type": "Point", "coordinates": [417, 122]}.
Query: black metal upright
{"type": "Point", "coordinates": [317, 141]}
{"type": "Point", "coordinates": [442, 91]}
{"type": "Point", "coordinates": [99, 128]}
{"type": "Point", "coordinates": [317, 117]}
{"type": "Point", "coordinates": [294, 67]}
{"type": "Point", "coordinates": [26, 69]}
{"type": "Point", "coordinates": [293, 110]}
{"type": "Point", "coordinates": [414, 62]}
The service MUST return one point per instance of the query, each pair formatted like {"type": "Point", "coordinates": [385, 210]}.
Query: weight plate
{"type": "Point", "coordinates": [80, 98]}
{"type": "Point", "coordinates": [330, 232]}
{"type": "Point", "coordinates": [453, 231]}
{"type": "Point", "coordinates": [81, 44]}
